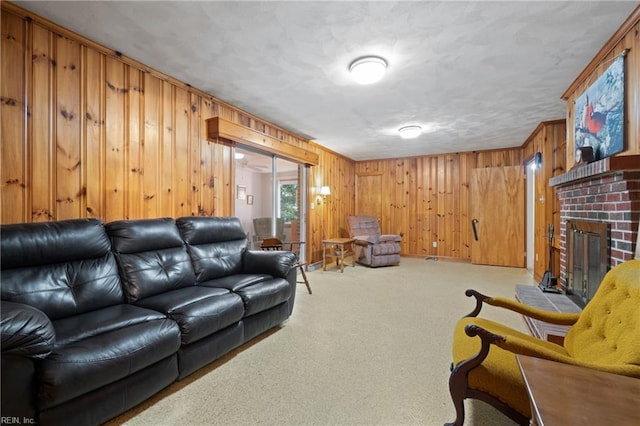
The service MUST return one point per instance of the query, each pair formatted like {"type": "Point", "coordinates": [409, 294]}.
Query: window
{"type": "Point", "coordinates": [288, 200]}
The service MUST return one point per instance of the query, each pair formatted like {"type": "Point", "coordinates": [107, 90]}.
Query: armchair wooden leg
{"type": "Point", "coordinates": [458, 391]}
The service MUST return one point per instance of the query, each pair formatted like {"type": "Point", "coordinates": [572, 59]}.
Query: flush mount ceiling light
{"type": "Point", "coordinates": [410, 132]}
{"type": "Point", "coordinates": [368, 70]}
{"type": "Point", "coordinates": [238, 156]}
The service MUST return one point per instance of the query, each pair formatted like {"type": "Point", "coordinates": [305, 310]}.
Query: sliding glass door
{"type": "Point", "coordinates": [269, 197]}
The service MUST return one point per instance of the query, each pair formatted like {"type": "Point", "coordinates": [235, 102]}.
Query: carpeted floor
{"type": "Point", "coordinates": [368, 347]}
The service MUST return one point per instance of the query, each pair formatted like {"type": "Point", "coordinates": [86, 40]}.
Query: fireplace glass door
{"type": "Point", "coordinates": [588, 258]}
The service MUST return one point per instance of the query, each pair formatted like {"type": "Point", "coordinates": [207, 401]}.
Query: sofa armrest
{"type": "Point", "coordinates": [274, 263]}
{"type": "Point", "coordinates": [559, 318]}
{"type": "Point", "coordinates": [26, 331]}
{"type": "Point", "coordinates": [390, 238]}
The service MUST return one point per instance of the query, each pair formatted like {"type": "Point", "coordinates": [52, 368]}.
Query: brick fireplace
{"type": "Point", "coordinates": [603, 192]}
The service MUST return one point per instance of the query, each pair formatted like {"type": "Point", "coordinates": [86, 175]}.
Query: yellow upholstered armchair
{"type": "Point", "coordinates": [604, 336]}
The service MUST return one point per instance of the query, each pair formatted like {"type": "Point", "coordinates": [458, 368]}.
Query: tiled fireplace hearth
{"type": "Point", "coordinates": [603, 192]}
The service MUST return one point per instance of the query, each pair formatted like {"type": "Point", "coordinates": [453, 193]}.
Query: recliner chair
{"type": "Point", "coordinates": [372, 248]}
{"type": "Point", "coordinates": [604, 336]}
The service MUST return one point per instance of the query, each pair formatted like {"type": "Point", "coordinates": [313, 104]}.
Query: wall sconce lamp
{"type": "Point", "coordinates": [324, 191]}
{"type": "Point", "coordinates": [536, 164]}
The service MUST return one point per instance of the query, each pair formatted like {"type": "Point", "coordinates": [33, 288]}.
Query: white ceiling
{"type": "Point", "coordinates": [482, 74]}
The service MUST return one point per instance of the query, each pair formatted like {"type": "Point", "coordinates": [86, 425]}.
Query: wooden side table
{"type": "Point", "coordinates": [564, 394]}
{"type": "Point", "coordinates": [338, 248]}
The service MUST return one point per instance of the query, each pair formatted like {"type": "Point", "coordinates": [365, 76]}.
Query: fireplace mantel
{"type": "Point", "coordinates": [597, 169]}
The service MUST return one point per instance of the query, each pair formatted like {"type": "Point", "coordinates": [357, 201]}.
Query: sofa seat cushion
{"type": "Point", "coordinates": [199, 311]}
{"type": "Point", "coordinates": [258, 292]}
{"type": "Point", "coordinates": [236, 281]}
{"type": "Point", "coordinates": [101, 347]}
{"type": "Point", "coordinates": [499, 374]}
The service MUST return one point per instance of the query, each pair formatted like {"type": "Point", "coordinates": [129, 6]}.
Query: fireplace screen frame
{"type": "Point", "coordinates": [587, 258]}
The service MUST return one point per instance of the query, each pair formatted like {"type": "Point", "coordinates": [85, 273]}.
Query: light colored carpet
{"type": "Point", "coordinates": [368, 347]}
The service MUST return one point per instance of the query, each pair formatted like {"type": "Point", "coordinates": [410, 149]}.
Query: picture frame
{"type": "Point", "coordinates": [599, 116]}
{"type": "Point", "coordinates": [250, 199]}
{"type": "Point", "coordinates": [241, 192]}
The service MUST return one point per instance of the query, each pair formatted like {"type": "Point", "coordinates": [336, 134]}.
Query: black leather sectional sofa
{"type": "Point", "coordinates": [96, 318]}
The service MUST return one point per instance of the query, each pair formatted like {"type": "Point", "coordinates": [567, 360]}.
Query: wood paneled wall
{"type": "Point", "coordinates": [625, 39]}
{"type": "Point", "coordinates": [328, 219]}
{"type": "Point", "coordinates": [549, 138]}
{"type": "Point", "coordinates": [87, 132]}
{"type": "Point", "coordinates": [426, 199]}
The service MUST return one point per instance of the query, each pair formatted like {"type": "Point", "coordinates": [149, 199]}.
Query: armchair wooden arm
{"type": "Point", "coordinates": [604, 336]}
{"type": "Point", "coordinates": [560, 318]}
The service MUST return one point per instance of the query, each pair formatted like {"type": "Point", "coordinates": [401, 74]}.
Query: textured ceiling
{"type": "Point", "coordinates": [481, 75]}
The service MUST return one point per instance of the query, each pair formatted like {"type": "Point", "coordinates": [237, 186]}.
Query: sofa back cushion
{"type": "Point", "coordinates": [63, 268]}
{"type": "Point", "coordinates": [151, 256]}
{"type": "Point", "coordinates": [216, 245]}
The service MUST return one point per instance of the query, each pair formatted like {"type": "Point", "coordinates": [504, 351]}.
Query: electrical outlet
{"type": "Point", "coordinates": [435, 244]}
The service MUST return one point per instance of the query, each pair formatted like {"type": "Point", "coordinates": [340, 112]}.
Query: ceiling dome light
{"type": "Point", "coordinates": [410, 132]}
{"type": "Point", "coordinates": [367, 70]}
{"type": "Point", "coordinates": [238, 156]}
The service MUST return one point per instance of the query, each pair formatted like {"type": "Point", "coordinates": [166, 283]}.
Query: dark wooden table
{"type": "Point", "coordinates": [566, 395]}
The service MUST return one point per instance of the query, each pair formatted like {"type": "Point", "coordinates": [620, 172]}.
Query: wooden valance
{"type": "Point", "coordinates": [220, 128]}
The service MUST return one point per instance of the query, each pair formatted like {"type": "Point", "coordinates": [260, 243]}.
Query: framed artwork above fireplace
{"type": "Point", "coordinates": [599, 115]}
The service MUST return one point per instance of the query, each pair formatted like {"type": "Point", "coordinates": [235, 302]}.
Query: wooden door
{"type": "Point", "coordinates": [498, 213]}
{"type": "Point", "coordinates": [369, 194]}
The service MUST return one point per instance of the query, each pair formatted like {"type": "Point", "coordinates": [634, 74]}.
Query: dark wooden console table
{"type": "Point", "coordinates": [567, 395]}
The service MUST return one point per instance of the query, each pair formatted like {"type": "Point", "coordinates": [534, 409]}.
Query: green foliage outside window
{"type": "Point", "coordinates": [289, 201]}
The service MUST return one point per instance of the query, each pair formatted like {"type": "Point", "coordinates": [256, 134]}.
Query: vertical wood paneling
{"type": "Point", "coordinates": [109, 138]}
{"type": "Point", "coordinates": [69, 188]}
{"type": "Point", "coordinates": [94, 133]}
{"type": "Point", "coordinates": [428, 199]}
{"type": "Point", "coordinates": [197, 139]}
{"type": "Point", "coordinates": [116, 114]}
{"type": "Point", "coordinates": [13, 149]}
{"type": "Point", "coordinates": [134, 135]}
{"type": "Point", "coordinates": [464, 197]}
{"type": "Point", "coordinates": [208, 168]}
{"type": "Point", "coordinates": [165, 190]}
{"type": "Point", "coordinates": [180, 185]}
{"type": "Point", "coordinates": [329, 218]}
{"type": "Point", "coordinates": [41, 89]}
{"type": "Point", "coordinates": [152, 144]}
{"type": "Point", "coordinates": [548, 139]}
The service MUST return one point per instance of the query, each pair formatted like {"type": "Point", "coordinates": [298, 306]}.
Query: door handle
{"type": "Point", "coordinates": [475, 231]}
